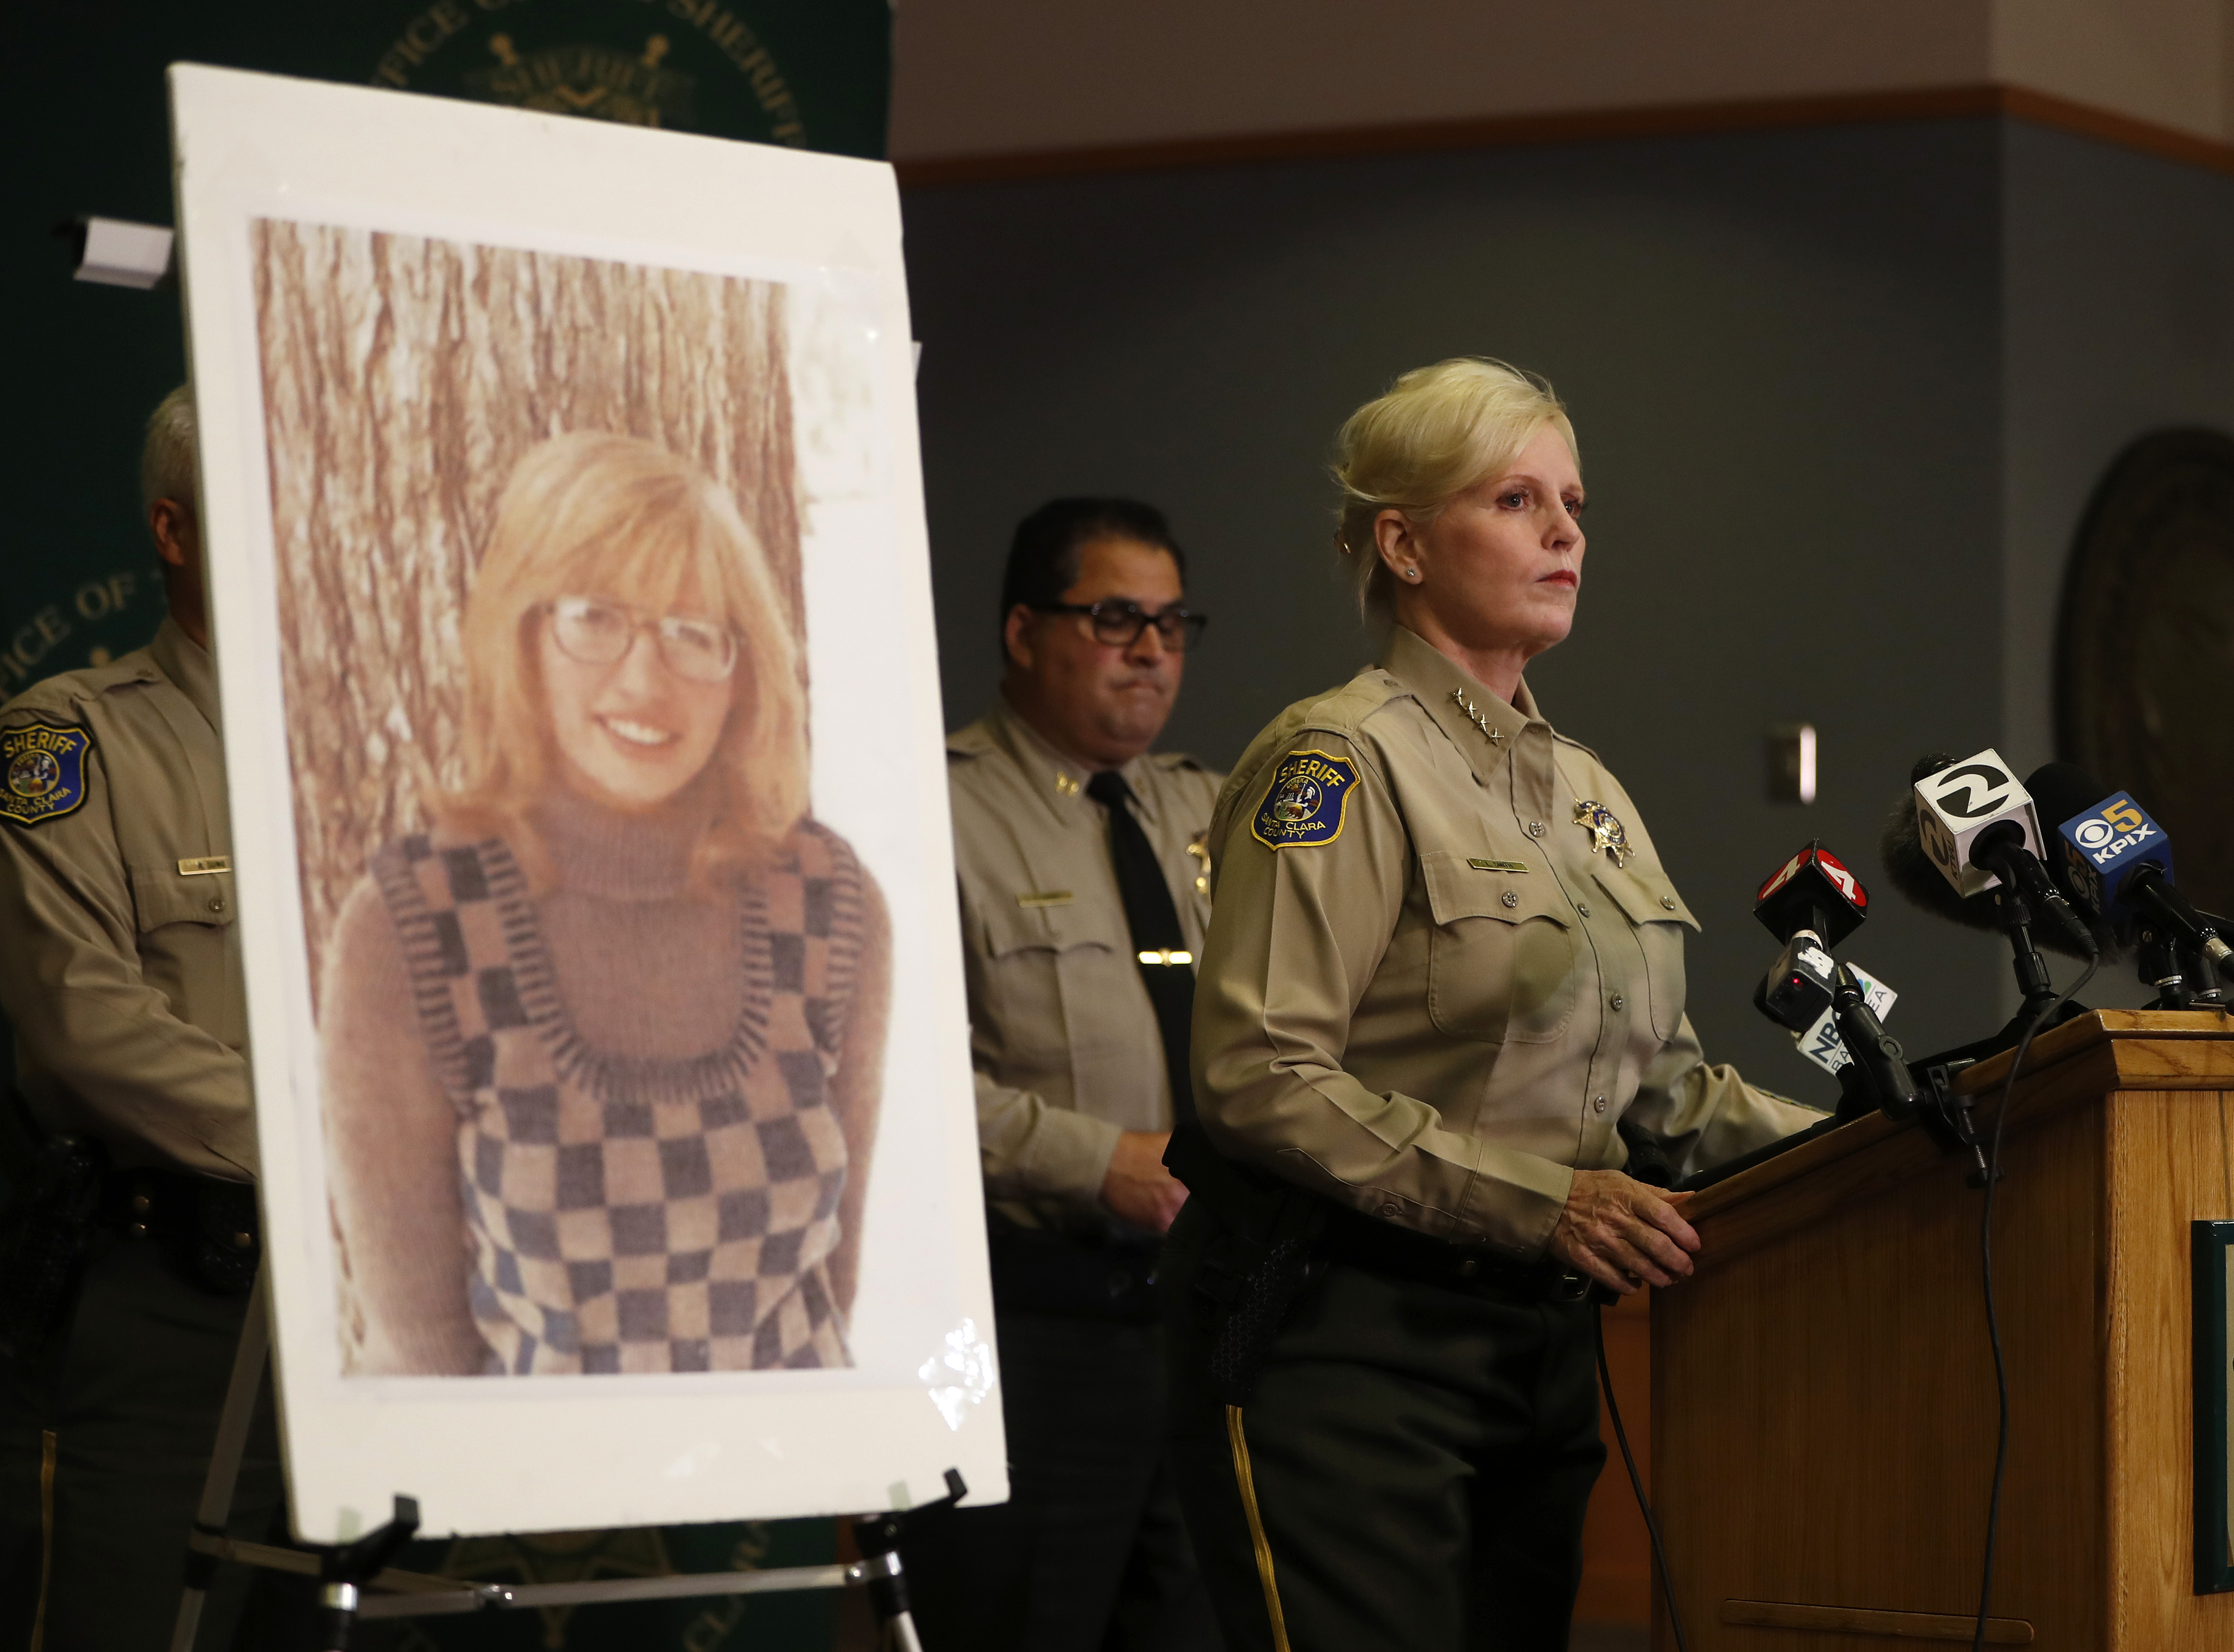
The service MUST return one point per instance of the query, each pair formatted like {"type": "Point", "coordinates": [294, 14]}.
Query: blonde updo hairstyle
{"type": "Point", "coordinates": [1439, 431]}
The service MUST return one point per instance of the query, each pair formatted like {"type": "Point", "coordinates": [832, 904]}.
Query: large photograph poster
{"type": "Point", "coordinates": [573, 628]}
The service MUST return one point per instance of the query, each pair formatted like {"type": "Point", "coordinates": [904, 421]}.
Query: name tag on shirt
{"type": "Point", "coordinates": [1499, 865]}
{"type": "Point", "coordinates": [203, 864]}
{"type": "Point", "coordinates": [1040, 897]}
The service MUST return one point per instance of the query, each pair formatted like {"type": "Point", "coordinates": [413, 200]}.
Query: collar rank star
{"type": "Point", "coordinates": [1306, 803]}
{"type": "Point", "coordinates": [41, 772]}
{"type": "Point", "coordinates": [1605, 829]}
{"type": "Point", "coordinates": [1476, 718]}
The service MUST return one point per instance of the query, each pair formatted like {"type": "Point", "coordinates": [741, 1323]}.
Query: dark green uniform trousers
{"type": "Point", "coordinates": [103, 1448]}
{"type": "Point", "coordinates": [1409, 1472]}
{"type": "Point", "coordinates": [1089, 1553]}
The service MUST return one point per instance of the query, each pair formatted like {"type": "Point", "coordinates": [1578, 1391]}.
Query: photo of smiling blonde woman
{"type": "Point", "coordinates": [603, 1047]}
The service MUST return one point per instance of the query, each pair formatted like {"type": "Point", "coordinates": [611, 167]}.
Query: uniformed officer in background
{"type": "Point", "coordinates": [1084, 893]}
{"type": "Point", "coordinates": [129, 1241]}
{"type": "Point", "coordinates": [1447, 967]}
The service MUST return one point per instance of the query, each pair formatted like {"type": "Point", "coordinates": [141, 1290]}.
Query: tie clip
{"type": "Point", "coordinates": [1167, 957]}
{"type": "Point", "coordinates": [1499, 865]}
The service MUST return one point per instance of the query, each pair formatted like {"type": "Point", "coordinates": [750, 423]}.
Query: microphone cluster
{"type": "Point", "coordinates": [2057, 858]}
{"type": "Point", "coordinates": [1967, 844]}
{"type": "Point", "coordinates": [1811, 903]}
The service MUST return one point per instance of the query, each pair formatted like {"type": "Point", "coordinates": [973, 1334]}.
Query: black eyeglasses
{"type": "Point", "coordinates": [1120, 622]}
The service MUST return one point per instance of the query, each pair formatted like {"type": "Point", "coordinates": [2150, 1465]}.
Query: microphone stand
{"type": "Point", "coordinates": [2158, 960]}
{"type": "Point", "coordinates": [2030, 969]}
{"type": "Point", "coordinates": [1883, 1074]}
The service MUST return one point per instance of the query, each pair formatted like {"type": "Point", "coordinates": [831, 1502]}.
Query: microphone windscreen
{"type": "Point", "coordinates": [2063, 791]}
{"type": "Point", "coordinates": [1926, 766]}
{"type": "Point", "coordinates": [1911, 871]}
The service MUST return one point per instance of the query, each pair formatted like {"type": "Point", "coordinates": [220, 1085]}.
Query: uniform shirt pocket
{"type": "Point", "coordinates": [162, 896]}
{"type": "Point", "coordinates": [1657, 914]}
{"type": "Point", "coordinates": [1501, 957]}
{"type": "Point", "coordinates": [1040, 965]}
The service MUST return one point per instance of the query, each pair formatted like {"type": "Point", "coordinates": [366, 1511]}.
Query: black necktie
{"type": "Point", "coordinates": [1154, 922]}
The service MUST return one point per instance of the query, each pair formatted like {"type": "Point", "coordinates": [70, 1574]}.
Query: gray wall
{"type": "Point", "coordinates": [1783, 351]}
{"type": "Point", "coordinates": [2119, 321]}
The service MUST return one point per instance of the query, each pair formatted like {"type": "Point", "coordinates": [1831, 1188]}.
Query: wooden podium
{"type": "Point", "coordinates": [1822, 1389]}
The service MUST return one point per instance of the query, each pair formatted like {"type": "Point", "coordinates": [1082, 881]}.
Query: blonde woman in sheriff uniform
{"type": "Point", "coordinates": [1444, 964]}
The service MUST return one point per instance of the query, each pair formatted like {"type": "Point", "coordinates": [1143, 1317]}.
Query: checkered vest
{"type": "Point", "coordinates": [628, 1214]}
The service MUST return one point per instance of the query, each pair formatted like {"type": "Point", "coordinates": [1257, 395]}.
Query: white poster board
{"type": "Point", "coordinates": [563, 519]}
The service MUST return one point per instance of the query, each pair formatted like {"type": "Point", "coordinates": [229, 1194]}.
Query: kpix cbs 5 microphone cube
{"type": "Point", "coordinates": [2106, 847]}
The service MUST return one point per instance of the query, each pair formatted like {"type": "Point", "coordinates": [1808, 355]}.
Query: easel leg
{"type": "Point", "coordinates": [877, 1538]}
{"type": "Point", "coordinates": [224, 1457]}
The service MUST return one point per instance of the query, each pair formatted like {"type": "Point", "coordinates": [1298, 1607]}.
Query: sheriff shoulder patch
{"type": "Point", "coordinates": [1305, 804]}
{"type": "Point", "coordinates": [41, 772]}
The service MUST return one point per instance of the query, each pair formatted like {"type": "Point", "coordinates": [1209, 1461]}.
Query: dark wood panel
{"type": "Point", "coordinates": [1854, 1620]}
{"type": "Point", "coordinates": [1616, 1553]}
{"type": "Point", "coordinates": [2168, 1157]}
{"type": "Point", "coordinates": [1582, 126]}
{"type": "Point", "coordinates": [1825, 1411]}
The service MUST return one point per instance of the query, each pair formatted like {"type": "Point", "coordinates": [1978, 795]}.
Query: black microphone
{"type": "Point", "coordinates": [2001, 850]}
{"type": "Point", "coordinates": [1877, 1055]}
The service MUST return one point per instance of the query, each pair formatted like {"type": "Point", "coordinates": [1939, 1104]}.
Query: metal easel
{"type": "Point", "coordinates": [358, 1583]}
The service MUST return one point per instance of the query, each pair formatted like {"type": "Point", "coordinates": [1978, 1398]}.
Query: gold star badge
{"type": "Point", "coordinates": [1605, 829]}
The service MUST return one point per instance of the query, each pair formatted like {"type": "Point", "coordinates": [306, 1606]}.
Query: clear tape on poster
{"type": "Point", "coordinates": [960, 1374]}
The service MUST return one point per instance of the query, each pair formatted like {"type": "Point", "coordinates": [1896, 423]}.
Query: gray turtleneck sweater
{"type": "Point", "coordinates": [647, 967]}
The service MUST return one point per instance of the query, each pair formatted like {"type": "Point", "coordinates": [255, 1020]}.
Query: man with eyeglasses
{"type": "Point", "coordinates": [1085, 892]}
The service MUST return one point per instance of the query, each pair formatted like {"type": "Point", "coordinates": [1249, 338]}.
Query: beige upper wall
{"type": "Point", "coordinates": [2169, 61]}
{"type": "Point", "coordinates": [988, 77]}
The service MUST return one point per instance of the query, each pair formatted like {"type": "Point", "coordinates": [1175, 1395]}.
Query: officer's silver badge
{"type": "Point", "coordinates": [1606, 830]}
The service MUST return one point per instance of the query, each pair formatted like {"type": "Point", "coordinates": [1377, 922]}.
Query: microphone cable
{"type": "Point", "coordinates": [1993, 1317]}
{"type": "Point", "coordinates": [1636, 1480]}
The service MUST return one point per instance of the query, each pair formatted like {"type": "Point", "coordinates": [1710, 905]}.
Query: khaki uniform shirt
{"type": "Point", "coordinates": [1062, 1035]}
{"type": "Point", "coordinates": [1435, 1001]}
{"type": "Point", "coordinates": [119, 966]}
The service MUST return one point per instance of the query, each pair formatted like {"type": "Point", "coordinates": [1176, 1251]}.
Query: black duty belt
{"type": "Point", "coordinates": [1382, 1247]}
{"type": "Point", "coordinates": [208, 1228]}
{"type": "Point", "coordinates": [1037, 1271]}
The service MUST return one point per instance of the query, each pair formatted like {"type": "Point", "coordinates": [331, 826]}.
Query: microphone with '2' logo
{"type": "Point", "coordinates": [1976, 821]}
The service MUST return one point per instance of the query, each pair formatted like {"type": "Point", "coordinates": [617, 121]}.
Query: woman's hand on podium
{"type": "Point", "coordinates": [1623, 1234]}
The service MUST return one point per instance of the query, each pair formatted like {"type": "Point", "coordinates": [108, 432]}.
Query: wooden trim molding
{"type": "Point", "coordinates": [1589, 125]}
{"type": "Point", "coordinates": [1856, 1620]}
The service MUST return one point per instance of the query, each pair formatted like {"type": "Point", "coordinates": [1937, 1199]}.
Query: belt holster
{"type": "Point", "coordinates": [1262, 1255]}
{"type": "Point", "coordinates": [207, 1229]}
{"type": "Point", "coordinates": [46, 1227]}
